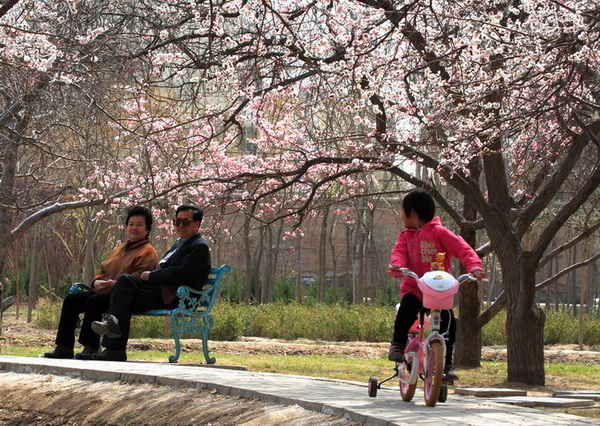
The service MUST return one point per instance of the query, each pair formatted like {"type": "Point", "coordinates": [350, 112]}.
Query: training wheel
{"type": "Point", "coordinates": [443, 393]}
{"type": "Point", "coordinates": [372, 387]}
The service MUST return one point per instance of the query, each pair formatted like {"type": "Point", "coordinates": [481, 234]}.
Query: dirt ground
{"type": "Point", "coordinates": [31, 399]}
{"type": "Point", "coordinates": [53, 400]}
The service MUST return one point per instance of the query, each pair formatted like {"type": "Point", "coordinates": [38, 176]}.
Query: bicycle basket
{"type": "Point", "coordinates": [438, 289]}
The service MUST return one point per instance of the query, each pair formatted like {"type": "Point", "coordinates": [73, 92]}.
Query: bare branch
{"type": "Point", "coordinates": [584, 234]}
{"type": "Point", "coordinates": [566, 270]}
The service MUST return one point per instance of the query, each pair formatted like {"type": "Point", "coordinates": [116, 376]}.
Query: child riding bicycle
{"type": "Point", "coordinates": [417, 248]}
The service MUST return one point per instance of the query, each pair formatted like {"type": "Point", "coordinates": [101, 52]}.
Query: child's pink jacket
{"type": "Point", "coordinates": [416, 249]}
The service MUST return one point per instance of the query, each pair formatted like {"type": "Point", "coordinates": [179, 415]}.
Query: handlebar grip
{"type": "Point", "coordinates": [470, 277]}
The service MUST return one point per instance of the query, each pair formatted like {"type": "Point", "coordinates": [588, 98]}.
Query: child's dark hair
{"type": "Point", "coordinates": [140, 211]}
{"type": "Point", "coordinates": [420, 202]}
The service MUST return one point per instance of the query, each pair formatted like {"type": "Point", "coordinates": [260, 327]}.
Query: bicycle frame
{"type": "Point", "coordinates": [418, 348]}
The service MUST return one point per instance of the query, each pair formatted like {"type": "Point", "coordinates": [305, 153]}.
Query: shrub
{"type": "Point", "coordinates": [494, 332]}
{"type": "Point", "coordinates": [228, 323]}
{"type": "Point", "coordinates": [561, 328]}
{"type": "Point", "coordinates": [318, 321]}
{"type": "Point", "coordinates": [47, 314]}
{"type": "Point", "coordinates": [149, 327]}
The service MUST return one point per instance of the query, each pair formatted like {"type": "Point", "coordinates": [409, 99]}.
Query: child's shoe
{"type": "Point", "coordinates": [396, 352]}
{"type": "Point", "coordinates": [449, 374]}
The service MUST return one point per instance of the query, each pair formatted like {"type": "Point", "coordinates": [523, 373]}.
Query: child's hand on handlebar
{"type": "Point", "coordinates": [396, 271]}
{"type": "Point", "coordinates": [480, 275]}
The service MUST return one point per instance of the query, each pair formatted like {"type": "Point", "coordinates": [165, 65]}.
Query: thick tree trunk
{"type": "Point", "coordinates": [524, 327]}
{"type": "Point", "coordinates": [7, 186]}
{"type": "Point", "coordinates": [468, 332]}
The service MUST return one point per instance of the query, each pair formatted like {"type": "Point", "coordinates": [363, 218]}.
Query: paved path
{"type": "Point", "coordinates": [334, 397]}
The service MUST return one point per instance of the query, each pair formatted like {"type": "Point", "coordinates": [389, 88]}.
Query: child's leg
{"type": "Point", "coordinates": [405, 317]}
{"type": "Point", "coordinates": [449, 323]}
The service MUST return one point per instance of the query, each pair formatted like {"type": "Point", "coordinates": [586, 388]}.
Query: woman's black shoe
{"type": "Point", "coordinates": [60, 352]}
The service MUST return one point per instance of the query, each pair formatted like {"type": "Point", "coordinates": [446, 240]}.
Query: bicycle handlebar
{"type": "Point", "coordinates": [461, 279]}
{"type": "Point", "coordinates": [470, 277]}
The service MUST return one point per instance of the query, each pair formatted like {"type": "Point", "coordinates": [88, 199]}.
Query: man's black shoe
{"type": "Point", "coordinates": [108, 328]}
{"type": "Point", "coordinates": [60, 352]}
{"type": "Point", "coordinates": [86, 353]}
{"type": "Point", "coordinates": [110, 355]}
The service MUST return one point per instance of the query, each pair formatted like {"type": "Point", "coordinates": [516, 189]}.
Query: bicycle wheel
{"type": "Point", "coordinates": [407, 390]}
{"type": "Point", "coordinates": [434, 371]}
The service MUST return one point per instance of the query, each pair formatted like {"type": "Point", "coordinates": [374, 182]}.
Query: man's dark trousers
{"type": "Point", "coordinates": [130, 295]}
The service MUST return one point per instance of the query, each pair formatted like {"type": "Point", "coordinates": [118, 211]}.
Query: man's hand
{"type": "Point", "coordinates": [145, 275]}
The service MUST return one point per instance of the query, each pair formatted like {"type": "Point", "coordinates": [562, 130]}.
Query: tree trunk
{"type": "Point", "coordinates": [323, 256]}
{"type": "Point", "coordinates": [583, 297]}
{"type": "Point", "coordinates": [334, 257]}
{"type": "Point", "coordinates": [468, 331]}
{"type": "Point", "coordinates": [248, 262]}
{"type": "Point", "coordinates": [347, 269]}
{"type": "Point", "coordinates": [271, 261]}
{"type": "Point", "coordinates": [299, 283]}
{"type": "Point", "coordinates": [7, 186]}
{"type": "Point", "coordinates": [89, 268]}
{"type": "Point", "coordinates": [259, 283]}
{"type": "Point", "coordinates": [1, 311]}
{"type": "Point", "coordinates": [524, 325]}
{"type": "Point", "coordinates": [32, 299]}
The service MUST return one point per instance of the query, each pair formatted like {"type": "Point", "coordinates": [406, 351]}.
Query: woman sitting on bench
{"type": "Point", "coordinates": [133, 257]}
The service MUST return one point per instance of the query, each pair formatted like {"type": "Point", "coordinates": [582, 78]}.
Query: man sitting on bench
{"type": "Point", "coordinates": [186, 263]}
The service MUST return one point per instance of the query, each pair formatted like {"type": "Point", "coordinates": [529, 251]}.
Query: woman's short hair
{"type": "Point", "coordinates": [140, 211]}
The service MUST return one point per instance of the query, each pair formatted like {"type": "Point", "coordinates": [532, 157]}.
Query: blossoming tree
{"type": "Point", "coordinates": [268, 105]}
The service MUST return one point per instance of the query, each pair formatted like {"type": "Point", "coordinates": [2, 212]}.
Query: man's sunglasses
{"type": "Point", "coordinates": [184, 222]}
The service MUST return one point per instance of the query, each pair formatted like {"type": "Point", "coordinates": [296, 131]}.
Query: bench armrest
{"type": "Point", "coordinates": [79, 287]}
{"type": "Point", "coordinates": [200, 302]}
{"type": "Point", "coordinates": [196, 300]}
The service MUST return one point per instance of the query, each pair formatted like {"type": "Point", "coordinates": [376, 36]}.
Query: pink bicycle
{"type": "Point", "coordinates": [424, 355]}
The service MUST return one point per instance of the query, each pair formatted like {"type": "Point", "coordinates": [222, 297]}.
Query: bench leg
{"type": "Point", "coordinates": [208, 324]}
{"type": "Point", "coordinates": [175, 329]}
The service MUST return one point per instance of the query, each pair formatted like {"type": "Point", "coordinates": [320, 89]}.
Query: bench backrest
{"type": "Point", "coordinates": [213, 283]}
{"type": "Point", "coordinates": [201, 302]}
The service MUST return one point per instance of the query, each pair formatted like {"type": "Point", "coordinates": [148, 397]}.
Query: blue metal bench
{"type": "Point", "coordinates": [192, 316]}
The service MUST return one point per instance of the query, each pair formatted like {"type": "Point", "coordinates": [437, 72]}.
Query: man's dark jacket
{"type": "Point", "coordinates": [189, 266]}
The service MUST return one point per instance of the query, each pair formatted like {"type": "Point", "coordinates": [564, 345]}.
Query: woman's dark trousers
{"type": "Point", "coordinates": [92, 305]}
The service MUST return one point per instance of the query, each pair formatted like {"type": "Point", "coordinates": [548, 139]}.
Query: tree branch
{"type": "Point", "coordinates": [566, 270]}
{"type": "Point", "coordinates": [585, 233]}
